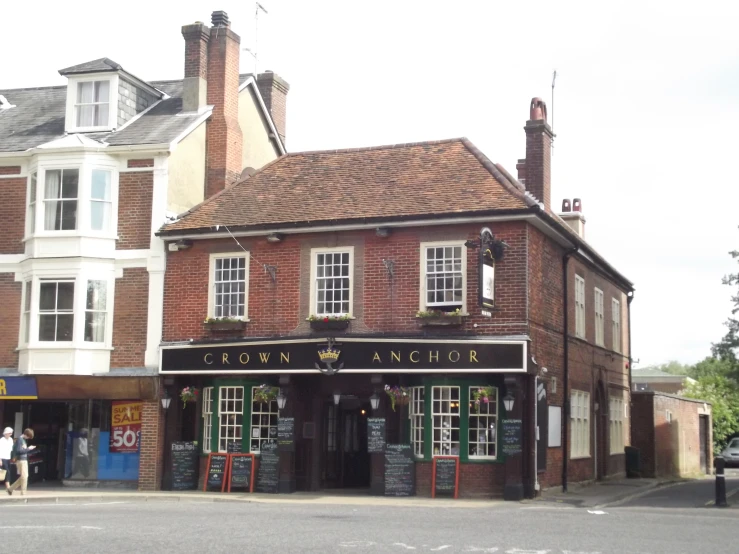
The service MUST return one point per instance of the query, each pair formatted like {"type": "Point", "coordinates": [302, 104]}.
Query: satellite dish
{"type": "Point", "coordinates": [246, 173]}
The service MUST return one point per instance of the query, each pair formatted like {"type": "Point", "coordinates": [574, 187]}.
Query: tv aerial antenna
{"type": "Point", "coordinates": [554, 78]}
{"type": "Point", "coordinates": [255, 50]}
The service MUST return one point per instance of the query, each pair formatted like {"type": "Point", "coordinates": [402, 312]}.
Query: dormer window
{"type": "Point", "coordinates": [93, 104]}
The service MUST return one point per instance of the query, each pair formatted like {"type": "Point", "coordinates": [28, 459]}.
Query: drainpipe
{"type": "Point", "coordinates": [629, 299]}
{"type": "Point", "coordinates": [566, 335]}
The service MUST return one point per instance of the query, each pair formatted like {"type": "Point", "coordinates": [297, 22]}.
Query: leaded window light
{"type": "Point", "coordinates": [93, 103]}
{"type": "Point", "coordinates": [616, 324]}
{"type": "Point", "coordinates": [599, 320]}
{"type": "Point", "coordinates": [616, 418]}
{"type": "Point", "coordinates": [230, 416]}
{"type": "Point", "coordinates": [101, 203]}
{"type": "Point", "coordinates": [263, 422]}
{"type": "Point", "coordinates": [579, 424]}
{"type": "Point", "coordinates": [579, 306]}
{"type": "Point", "coordinates": [56, 311]}
{"type": "Point", "coordinates": [207, 418]}
{"type": "Point", "coordinates": [482, 428]}
{"type": "Point", "coordinates": [27, 288]}
{"type": "Point", "coordinates": [32, 204]}
{"type": "Point", "coordinates": [333, 283]}
{"type": "Point", "coordinates": [444, 277]}
{"type": "Point", "coordinates": [230, 287]}
{"type": "Point", "coordinates": [95, 311]}
{"type": "Point", "coordinates": [445, 420]}
{"type": "Point", "coordinates": [60, 199]}
{"type": "Point", "coordinates": [417, 413]}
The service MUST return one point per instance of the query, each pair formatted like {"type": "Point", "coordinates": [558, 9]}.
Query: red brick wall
{"type": "Point", "coordinates": [10, 170]}
{"type": "Point", "coordinates": [152, 446]}
{"type": "Point", "coordinates": [147, 162]}
{"type": "Point", "coordinates": [134, 210]}
{"type": "Point", "coordinates": [642, 430]}
{"type": "Point", "coordinates": [274, 91]}
{"type": "Point", "coordinates": [12, 214]}
{"type": "Point", "coordinates": [475, 480]}
{"type": "Point", "coordinates": [10, 300]}
{"type": "Point", "coordinates": [130, 318]}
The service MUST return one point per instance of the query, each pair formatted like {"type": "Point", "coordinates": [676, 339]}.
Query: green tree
{"type": "Point", "coordinates": [723, 395]}
{"type": "Point", "coordinates": [726, 349]}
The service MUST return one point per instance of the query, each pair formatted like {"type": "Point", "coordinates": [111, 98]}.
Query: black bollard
{"type": "Point", "coordinates": [719, 464]}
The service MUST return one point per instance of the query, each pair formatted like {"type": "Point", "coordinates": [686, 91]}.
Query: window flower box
{"type": "Point", "coordinates": [329, 323]}
{"type": "Point", "coordinates": [224, 324]}
{"type": "Point", "coordinates": [438, 318]}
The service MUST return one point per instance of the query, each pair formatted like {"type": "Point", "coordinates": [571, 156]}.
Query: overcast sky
{"type": "Point", "coordinates": [646, 109]}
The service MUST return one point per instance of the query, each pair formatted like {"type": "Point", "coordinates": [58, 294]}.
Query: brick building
{"type": "Point", "coordinates": [89, 171]}
{"type": "Point", "coordinates": [328, 277]}
{"type": "Point", "coordinates": [650, 379]}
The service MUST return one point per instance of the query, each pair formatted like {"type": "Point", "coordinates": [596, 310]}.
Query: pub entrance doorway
{"type": "Point", "coordinates": [346, 462]}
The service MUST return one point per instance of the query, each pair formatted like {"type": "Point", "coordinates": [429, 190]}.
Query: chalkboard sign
{"type": "Point", "coordinates": [215, 477]}
{"type": "Point", "coordinates": [445, 476]}
{"type": "Point", "coordinates": [511, 436]}
{"type": "Point", "coordinates": [241, 472]}
{"type": "Point", "coordinates": [233, 447]}
{"type": "Point", "coordinates": [375, 434]}
{"type": "Point", "coordinates": [286, 434]}
{"type": "Point", "coordinates": [268, 475]}
{"type": "Point", "coordinates": [400, 470]}
{"type": "Point", "coordinates": [184, 468]}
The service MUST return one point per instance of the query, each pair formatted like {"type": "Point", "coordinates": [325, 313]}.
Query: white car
{"type": "Point", "coordinates": [730, 454]}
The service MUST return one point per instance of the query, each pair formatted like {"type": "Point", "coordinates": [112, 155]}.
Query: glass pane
{"type": "Point", "coordinates": [96, 295]}
{"type": "Point", "coordinates": [100, 184]}
{"type": "Point", "coordinates": [64, 325]}
{"type": "Point", "coordinates": [47, 327]}
{"type": "Point", "coordinates": [101, 115]}
{"type": "Point", "coordinates": [47, 296]}
{"type": "Point", "coordinates": [65, 298]}
{"type": "Point", "coordinates": [69, 215]}
{"type": "Point", "coordinates": [102, 91]}
{"type": "Point", "coordinates": [85, 116]}
{"type": "Point", "coordinates": [100, 216]}
{"type": "Point", "coordinates": [94, 327]}
{"type": "Point", "coordinates": [53, 181]}
{"type": "Point", "coordinates": [70, 180]}
{"type": "Point", "coordinates": [85, 92]}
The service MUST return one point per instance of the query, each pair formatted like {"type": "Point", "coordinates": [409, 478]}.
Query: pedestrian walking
{"type": "Point", "coordinates": [6, 453]}
{"type": "Point", "coordinates": [21, 454]}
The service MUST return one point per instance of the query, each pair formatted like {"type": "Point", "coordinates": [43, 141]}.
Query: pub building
{"type": "Point", "coordinates": [412, 302]}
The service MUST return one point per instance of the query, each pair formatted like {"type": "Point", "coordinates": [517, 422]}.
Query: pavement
{"type": "Point", "coordinates": [604, 493]}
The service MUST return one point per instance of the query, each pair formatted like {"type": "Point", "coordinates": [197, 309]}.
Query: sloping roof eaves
{"type": "Point", "coordinates": [94, 66]}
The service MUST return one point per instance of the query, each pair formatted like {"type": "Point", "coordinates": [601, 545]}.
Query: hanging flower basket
{"type": "Point", "coordinates": [438, 317]}
{"type": "Point", "coordinates": [483, 395]}
{"type": "Point", "coordinates": [224, 324]}
{"type": "Point", "coordinates": [189, 394]}
{"type": "Point", "coordinates": [399, 396]}
{"type": "Point", "coordinates": [264, 394]}
{"type": "Point", "coordinates": [329, 323]}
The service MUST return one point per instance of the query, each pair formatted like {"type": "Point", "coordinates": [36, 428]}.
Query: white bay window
{"type": "Point", "coordinates": [101, 205]}
{"type": "Point", "coordinates": [60, 199]}
{"type": "Point", "coordinates": [95, 311]}
{"type": "Point", "coordinates": [56, 311]}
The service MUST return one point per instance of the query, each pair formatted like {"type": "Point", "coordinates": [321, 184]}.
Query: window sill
{"type": "Point", "coordinates": [580, 457]}
{"type": "Point", "coordinates": [330, 325]}
{"type": "Point", "coordinates": [442, 321]}
{"type": "Point", "coordinates": [73, 130]}
{"type": "Point", "coordinates": [63, 346]}
{"type": "Point", "coordinates": [70, 234]}
{"type": "Point", "coordinates": [225, 326]}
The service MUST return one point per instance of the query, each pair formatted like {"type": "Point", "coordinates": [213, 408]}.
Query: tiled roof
{"type": "Point", "coordinates": [102, 64]}
{"type": "Point", "coordinates": [370, 184]}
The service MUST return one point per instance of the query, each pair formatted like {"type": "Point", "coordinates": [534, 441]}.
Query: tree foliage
{"type": "Point", "coordinates": [723, 395]}
{"type": "Point", "coordinates": [727, 348]}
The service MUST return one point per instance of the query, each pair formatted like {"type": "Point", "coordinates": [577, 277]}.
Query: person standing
{"type": "Point", "coordinates": [21, 452]}
{"type": "Point", "coordinates": [6, 453]}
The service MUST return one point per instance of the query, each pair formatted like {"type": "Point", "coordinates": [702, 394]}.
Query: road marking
{"type": "Point", "coordinates": [91, 527]}
{"type": "Point", "coordinates": [598, 512]}
{"type": "Point", "coordinates": [102, 503]}
{"type": "Point", "coordinates": [519, 551]}
{"type": "Point", "coordinates": [407, 547]}
{"type": "Point", "coordinates": [442, 547]}
{"type": "Point", "coordinates": [353, 544]}
{"type": "Point", "coordinates": [477, 549]}
{"type": "Point", "coordinates": [729, 494]}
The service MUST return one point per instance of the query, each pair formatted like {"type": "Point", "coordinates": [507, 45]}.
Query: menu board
{"type": "Point", "coordinates": [375, 434]}
{"type": "Point", "coordinates": [286, 434]}
{"type": "Point", "coordinates": [233, 447]}
{"type": "Point", "coordinates": [511, 436]}
{"type": "Point", "coordinates": [445, 475]}
{"type": "Point", "coordinates": [400, 470]}
{"type": "Point", "coordinates": [184, 460]}
{"type": "Point", "coordinates": [268, 475]}
{"type": "Point", "coordinates": [215, 475]}
{"type": "Point", "coordinates": [240, 472]}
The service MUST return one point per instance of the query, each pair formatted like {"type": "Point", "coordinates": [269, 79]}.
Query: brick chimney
{"type": "Point", "coordinates": [223, 134]}
{"type": "Point", "coordinates": [274, 91]}
{"type": "Point", "coordinates": [536, 168]}
{"type": "Point", "coordinates": [195, 83]}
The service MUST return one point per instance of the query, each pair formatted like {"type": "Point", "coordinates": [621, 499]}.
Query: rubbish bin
{"type": "Point", "coordinates": [633, 462]}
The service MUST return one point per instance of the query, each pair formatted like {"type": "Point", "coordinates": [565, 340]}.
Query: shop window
{"type": "Point", "coordinates": [230, 416]}
{"type": "Point", "coordinates": [331, 290]}
{"type": "Point", "coordinates": [417, 413]}
{"type": "Point", "coordinates": [579, 424]}
{"type": "Point", "coordinates": [579, 306]}
{"type": "Point", "coordinates": [331, 429]}
{"type": "Point", "coordinates": [445, 412]}
{"type": "Point", "coordinates": [229, 283]}
{"type": "Point", "coordinates": [207, 418]}
{"type": "Point", "coordinates": [444, 268]}
{"type": "Point", "coordinates": [482, 427]}
{"type": "Point", "coordinates": [616, 418]}
{"type": "Point", "coordinates": [263, 422]}
{"type": "Point", "coordinates": [599, 319]}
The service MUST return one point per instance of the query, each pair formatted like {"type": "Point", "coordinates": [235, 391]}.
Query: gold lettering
{"type": "Point", "coordinates": [205, 358]}
{"type": "Point", "coordinates": [225, 359]}
{"type": "Point", "coordinates": [433, 357]}
{"type": "Point", "coordinates": [473, 356]}
{"type": "Point", "coordinates": [264, 356]}
{"type": "Point", "coordinates": [285, 357]}
{"type": "Point", "coordinates": [3, 390]}
{"type": "Point", "coordinates": [376, 358]}
{"type": "Point", "coordinates": [394, 356]}
{"type": "Point", "coordinates": [411, 356]}
{"type": "Point", "coordinates": [242, 360]}
{"type": "Point", "coordinates": [454, 356]}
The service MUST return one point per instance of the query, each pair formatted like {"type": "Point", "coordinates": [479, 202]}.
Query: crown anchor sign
{"type": "Point", "coordinates": [329, 356]}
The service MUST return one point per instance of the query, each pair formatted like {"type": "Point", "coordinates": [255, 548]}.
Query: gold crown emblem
{"type": "Point", "coordinates": [329, 354]}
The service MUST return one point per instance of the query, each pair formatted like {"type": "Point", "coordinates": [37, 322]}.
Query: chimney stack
{"type": "Point", "coordinates": [274, 91]}
{"type": "Point", "coordinates": [223, 133]}
{"type": "Point", "coordinates": [536, 167]}
{"type": "Point", "coordinates": [195, 83]}
{"type": "Point", "coordinates": [572, 215]}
